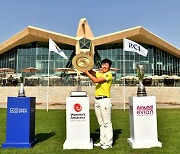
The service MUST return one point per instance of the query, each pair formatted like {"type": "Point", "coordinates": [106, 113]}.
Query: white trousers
{"type": "Point", "coordinates": [103, 113]}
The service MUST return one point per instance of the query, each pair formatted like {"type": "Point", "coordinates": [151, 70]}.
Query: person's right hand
{"type": "Point", "coordinates": [85, 71]}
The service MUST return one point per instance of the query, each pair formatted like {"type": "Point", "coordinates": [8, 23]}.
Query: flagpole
{"type": "Point", "coordinates": [47, 104]}
{"type": "Point", "coordinates": [124, 78]}
{"type": "Point", "coordinates": [56, 49]}
{"type": "Point", "coordinates": [124, 74]}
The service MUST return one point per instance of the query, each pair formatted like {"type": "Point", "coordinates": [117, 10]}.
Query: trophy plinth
{"type": "Point", "coordinates": [141, 89]}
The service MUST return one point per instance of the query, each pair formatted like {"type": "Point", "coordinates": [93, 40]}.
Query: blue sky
{"type": "Point", "coordinates": [161, 17]}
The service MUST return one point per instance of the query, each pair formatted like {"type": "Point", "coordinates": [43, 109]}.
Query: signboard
{"type": "Point", "coordinates": [20, 125]}
{"type": "Point", "coordinates": [77, 124]}
{"type": "Point", "coordinates": [143, 122]}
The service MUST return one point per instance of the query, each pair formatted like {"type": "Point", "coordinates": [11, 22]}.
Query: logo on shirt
{"type": "Point", "coordinates": [77, 107]}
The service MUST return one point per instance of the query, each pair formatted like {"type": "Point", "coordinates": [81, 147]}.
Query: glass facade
{"type": "Point", "coordinates": [165, 63]}
{"type": "Point", "coordinates": [9, 59]}
{"type": "Point", "coordinates": [157, 62]}
{"type": "Point", "coordinates": [35, 54]}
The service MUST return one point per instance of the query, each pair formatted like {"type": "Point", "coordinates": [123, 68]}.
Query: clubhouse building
{"type": "Point", "coordinates": [30, 48]}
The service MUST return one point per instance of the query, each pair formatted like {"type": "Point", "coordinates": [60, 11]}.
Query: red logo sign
{"type": "Point", "coordinates": [77, 107]}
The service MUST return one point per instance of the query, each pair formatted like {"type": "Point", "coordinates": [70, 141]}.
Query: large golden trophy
{"type": "Point", "coordinates": [82, 62]}
{"type": "Point", "coordinates": [141, 89]}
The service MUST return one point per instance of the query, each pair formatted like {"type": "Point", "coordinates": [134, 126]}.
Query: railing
{"type": "Point", "coordinates": [35, 81]}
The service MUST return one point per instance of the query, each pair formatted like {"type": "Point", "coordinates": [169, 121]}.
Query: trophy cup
{"type": "Point", "coordinates": [141, 89]}
{"type": "Point", "coordinates": [21, 90]}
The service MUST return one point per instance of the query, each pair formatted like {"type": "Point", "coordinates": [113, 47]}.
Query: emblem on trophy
{"type": "Point", "coordinates": [141, 89]}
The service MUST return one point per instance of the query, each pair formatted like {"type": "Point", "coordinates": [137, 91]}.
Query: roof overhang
{"type": "Point", "coordinates": [31, 34]}
{"type": "Point", "coordinates": [137, 34]}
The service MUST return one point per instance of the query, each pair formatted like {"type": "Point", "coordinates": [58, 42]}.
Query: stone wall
{"type": "Point", "coordinates": [57, 95]}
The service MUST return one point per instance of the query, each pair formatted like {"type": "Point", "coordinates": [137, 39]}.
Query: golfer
{"type": "Point", "coordinates": [102, 102]}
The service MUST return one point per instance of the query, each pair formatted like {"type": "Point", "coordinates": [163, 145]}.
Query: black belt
{"type": "Point", "coordinates": [101, 97]}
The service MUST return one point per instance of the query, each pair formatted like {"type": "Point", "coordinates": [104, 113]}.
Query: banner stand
{"type": "Point", "coordinates": [20, 124]}
{"type": "Point", "coordinates": [143, 122]}
{"type": "Point", "coordinates": [77, 122]}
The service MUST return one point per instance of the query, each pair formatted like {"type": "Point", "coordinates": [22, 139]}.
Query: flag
{"type": "Point", "coordinates": [56, 49]}
{"type": "Point", "coordinates": [129, 45]}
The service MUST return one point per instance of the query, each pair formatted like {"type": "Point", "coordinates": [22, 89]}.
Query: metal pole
{"type": "Point", "coordinates": [124, 79]}
{"type": "Point", "coordinates": [47, 105]}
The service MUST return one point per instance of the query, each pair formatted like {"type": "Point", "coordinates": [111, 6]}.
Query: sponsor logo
{"type": "Point", "coordinates": [78, 116]}
{"type": "Point", "coordinates": [18, 110]}
{"type": "Point", "coordinates": [13, 110]}
{"type": "Point", "coordinates": [77, 107]}
{"type": "Point", "coordinates": [22, 110]}
{"type": "Point", "coordinates": [144, 110]}
{"type": "Point", "coordinates": [135, 46]}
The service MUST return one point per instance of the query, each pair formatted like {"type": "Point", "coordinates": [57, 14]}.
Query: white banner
{"type": "Point", "coordinates": [129, 45]}
{"type": "Point", "coordinates": [56, 49]}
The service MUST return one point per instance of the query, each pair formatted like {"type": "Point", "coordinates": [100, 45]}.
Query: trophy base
{"type": "Point", "coordinates": [21, 94]}
{"type": "Point", "coordinates": [141, 93]}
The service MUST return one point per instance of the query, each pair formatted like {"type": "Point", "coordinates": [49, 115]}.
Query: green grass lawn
{"type": "Point", "coordinates": [51, 133]}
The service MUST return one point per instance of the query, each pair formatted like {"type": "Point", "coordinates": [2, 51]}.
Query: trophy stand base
{"type": "Point", "coordinates": [75, 145]}
{"type": "Point", "coordinates": [140, 145]}
{"type": "Point", "coordinates": [143, 122]}
{"type": "Point", "coordinates": [141, 93]}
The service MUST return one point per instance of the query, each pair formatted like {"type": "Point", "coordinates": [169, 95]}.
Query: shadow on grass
{"type": "Point", "coordinates": [41, 137]}
{"type": "Point", "coordinates": [95, 136]}
{"type": "Point", "coordinates": [116, 134]}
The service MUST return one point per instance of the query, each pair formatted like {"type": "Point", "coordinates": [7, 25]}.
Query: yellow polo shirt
{"type": "Point", "coordinates": [103, 88]}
